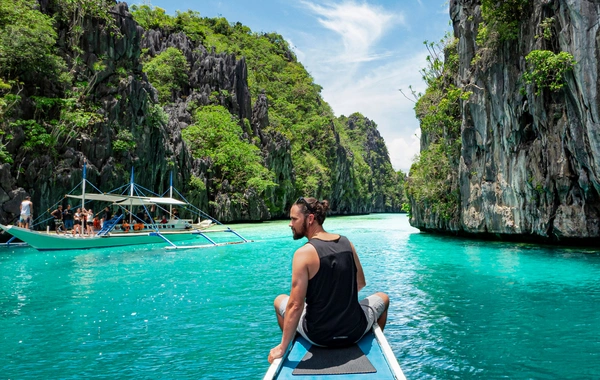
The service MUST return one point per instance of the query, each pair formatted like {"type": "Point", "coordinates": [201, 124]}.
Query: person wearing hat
{"type": "Point", "coordinates": [26, 211]}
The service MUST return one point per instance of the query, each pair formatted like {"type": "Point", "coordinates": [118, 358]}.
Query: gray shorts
{"type": "Point", "coordinates": [372, 306]}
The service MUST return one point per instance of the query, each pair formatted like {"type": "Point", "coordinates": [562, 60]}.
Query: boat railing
{"type": "Point", "coordinates": [12, 243]}
{"type": "Point", "coordinates": [108, 225]}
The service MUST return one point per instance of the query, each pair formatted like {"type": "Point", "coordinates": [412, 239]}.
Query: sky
{"type": "Point", "coordinates": [361, 52]}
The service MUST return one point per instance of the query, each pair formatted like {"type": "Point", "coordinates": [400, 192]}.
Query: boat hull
{"type": "Point", "coordinates": [49, 241]}
{"type": "Point", "coordinates": [374, 345]}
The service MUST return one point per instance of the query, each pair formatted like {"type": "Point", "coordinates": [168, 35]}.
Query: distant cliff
{"type": "Point", "coordinates": [529, 162]}
{"type": "Point", "coordinates": [95, 102]}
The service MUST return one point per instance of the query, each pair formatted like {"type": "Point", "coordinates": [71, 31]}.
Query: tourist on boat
{"type": "Point", "coordinates": [68, 218]}
{"type": "Point", "coordinates": [89, 221]}
{"type": "Point", "coordinates": [106, 215]}
{"type": "Point", "coordinates": [96, 223]}
{"type": "Point", "coordinates": [141, 214]}
{"type": "Point", "coordinates": [164, 219]}
{"type": "Point", "coordinates": [77, 217]}
{"type": "Point", "coordinates": [58, 219]}
{"type": "Point", "coordinates": [138, 226]}
{"type": "Point", "coordinates": [327, 275]}
{"type": "Point", "coordinates": [125, 226]}
{"type": "Point", "coordinates": [26, 212]}
{"type": "Point", "coordinates": [175, 213]}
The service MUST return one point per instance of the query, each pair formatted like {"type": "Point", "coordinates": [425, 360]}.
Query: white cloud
{"type": "Point", "coordinates": [357, 76]}
{"type": "Point", "coordinates": [376, 96]}
{"type": "Point", "coordinates": [360, 26]}
{"type": "Point", "coordinates": [403, 150]}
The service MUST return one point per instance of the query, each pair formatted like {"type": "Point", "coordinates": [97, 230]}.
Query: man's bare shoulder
{"type": "Point", "coordinates": [305, 249]}
{"type": "Point", "coordinates": [305, 253]}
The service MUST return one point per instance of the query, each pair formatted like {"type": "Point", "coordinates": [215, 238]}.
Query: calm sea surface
{"type": "Point", "coordinates": [460, 309]}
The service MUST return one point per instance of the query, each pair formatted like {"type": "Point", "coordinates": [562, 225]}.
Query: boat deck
{"type": "Point", "coordinates": [380, 365]}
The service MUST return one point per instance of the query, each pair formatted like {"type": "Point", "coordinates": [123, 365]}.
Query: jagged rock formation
{"type": "Point", "coordinates": [123, 102]}
{"type": "Point", "coordinates": [226, 75]}
{"type": "Point", "coordinates": [128, 102]}
{"type": "Point", "coordinates": [529, 167]}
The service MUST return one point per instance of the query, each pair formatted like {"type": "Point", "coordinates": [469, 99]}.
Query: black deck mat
{"type": "Point", "coordinates": [334, 361]}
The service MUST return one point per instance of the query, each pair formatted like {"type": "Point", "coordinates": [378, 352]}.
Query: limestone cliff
{"type": "Point", "coordinates": [122, 101]}
{"type": "Point", "coordinates": [529, 165]}
{"type": "Point", "coordinates": [110, 81]}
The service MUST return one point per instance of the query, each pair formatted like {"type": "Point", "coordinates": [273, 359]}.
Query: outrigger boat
{"type": "Point", "coordinates": [370, 358]}
{"type": "Point", "coordinates": [127, 229]}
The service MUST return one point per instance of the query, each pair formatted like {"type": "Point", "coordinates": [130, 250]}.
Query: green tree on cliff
{"type": "Point", "coordinates": [296, 108]}
{"type": "Point", "coordinates": [215, 135]}
{"type": "Point", "coordinates": [433, 179]}
{"type": "Point", "coordinates": [168, 73]}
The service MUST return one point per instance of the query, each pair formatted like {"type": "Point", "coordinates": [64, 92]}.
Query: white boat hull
{"type": "Point", "coordinates": [51, 241]}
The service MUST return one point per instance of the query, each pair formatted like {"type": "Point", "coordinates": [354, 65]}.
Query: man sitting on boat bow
{"type": "Point", "coordinates": [327, 275]}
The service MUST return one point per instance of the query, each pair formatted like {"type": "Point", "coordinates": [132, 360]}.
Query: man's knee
{"type": "Point", "coordinates": [385, 298]}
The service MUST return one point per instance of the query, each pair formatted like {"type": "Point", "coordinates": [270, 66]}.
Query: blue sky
{"type": "Point", "coordinates": [360, 52]}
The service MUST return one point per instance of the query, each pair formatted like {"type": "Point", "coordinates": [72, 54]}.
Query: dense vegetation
{"type": "Point", "coordinates": [296, 108]}
{"type": "Point", "coordinates": [216, 135]}
{"type": "Point", "coordinates": [35, 72]}
{"type": "Point", "coordinates": [433, 183]}
{"type": "Point", "coordinates": [56, 96]}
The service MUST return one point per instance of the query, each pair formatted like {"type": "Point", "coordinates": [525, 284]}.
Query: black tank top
{"type": "Point", "coordinates": [334, 317]}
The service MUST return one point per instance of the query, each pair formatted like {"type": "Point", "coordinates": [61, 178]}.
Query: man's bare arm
{"type": "Point", "coordinates": [295, 304]}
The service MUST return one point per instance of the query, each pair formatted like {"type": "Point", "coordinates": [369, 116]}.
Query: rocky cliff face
{"type": "Point", "coordinates": [126, 101]}
{"type": "Point", "coordinates": [123, 101]}
{"type": "Point", "coordinates": [225, 75]}
{"type": "Point", "coordinates": [530, 163]}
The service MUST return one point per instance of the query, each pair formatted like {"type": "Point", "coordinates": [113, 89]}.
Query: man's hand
{"type": "Point", "coordinates": [276, 353]}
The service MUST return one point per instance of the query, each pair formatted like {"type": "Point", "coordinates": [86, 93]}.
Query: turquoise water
{"type": "Point", "coordinates": [460, 309]}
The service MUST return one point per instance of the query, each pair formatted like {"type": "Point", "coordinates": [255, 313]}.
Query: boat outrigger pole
{"type": "Point", "coordinates": [131, 185]}
{"type": "Point", "coordinates": [171, 194]}
{"type": "Point", "coordinates": [83, 184]}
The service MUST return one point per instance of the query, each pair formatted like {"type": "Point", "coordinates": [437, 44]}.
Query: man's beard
{"type": "Point", "coordinates": [302, 233]}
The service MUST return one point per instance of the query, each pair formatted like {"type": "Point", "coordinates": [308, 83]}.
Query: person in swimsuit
{"type": "Point", "coordinates": [77, 217]}
{"type": "Point", "coordinates": [323, 305]}
{"type": "Point", "coordinates": [89, 222]}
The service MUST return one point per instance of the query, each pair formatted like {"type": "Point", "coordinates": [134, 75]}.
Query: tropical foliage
{"type": "Point", "coordinates": [546, 69]}
{"type": "Point", "coordinates": [433, 184]}
{"type": "Point", "coordinates": [217, 136]}
{"type": "Point", "coordinates": [296, 108]}
{"type": "Point", "coordinates": [59, 89]}
{"type": "Point", "coordinates": [168, 72]}
{"type": "Point", "coordinates": [501, 20]}
{"type": "Point", "coordinates": [29, 58]}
